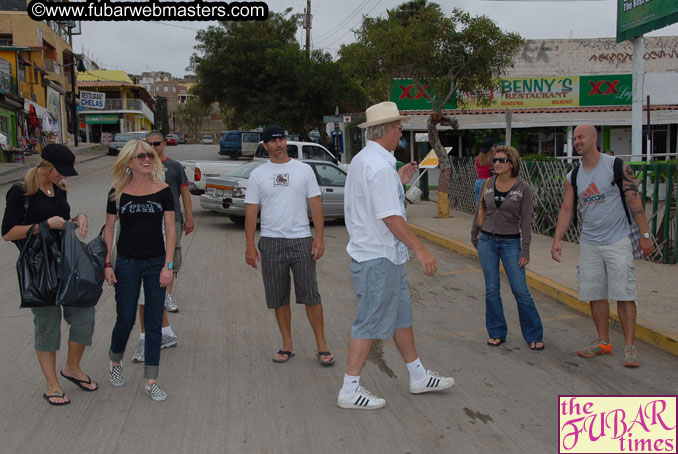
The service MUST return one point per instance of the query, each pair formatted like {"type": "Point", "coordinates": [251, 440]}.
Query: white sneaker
{"type": "Point", "coordinates": [432, 382]}
{"type": "Point", "coordinates": [138, 355]}
{"type": "Point", "coordinates": [170, 304]}
{"type": "Point", "coordinates": [168, 341]}
{"type": "Point", "coordinates": [361, 399]}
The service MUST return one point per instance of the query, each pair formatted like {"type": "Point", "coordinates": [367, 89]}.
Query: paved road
{"type": "Point", "coordinates": [227, 396]}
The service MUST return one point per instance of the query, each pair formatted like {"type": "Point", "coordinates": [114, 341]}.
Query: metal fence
{"type": "Point", "coordinates": [657, 182]}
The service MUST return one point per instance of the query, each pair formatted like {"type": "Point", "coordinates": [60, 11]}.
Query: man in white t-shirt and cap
{"type": "Point", "coordinates": [374, 208]}
{"type": "Point", "coordinates": [281, 187]}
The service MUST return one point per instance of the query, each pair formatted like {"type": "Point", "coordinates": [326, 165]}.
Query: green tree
{"type": "Point", "coordinates": [458, 56]}
{"type": "Point", "coordinates": [259, 75]}
{"type": "Point", "coordinates": [192, 115]}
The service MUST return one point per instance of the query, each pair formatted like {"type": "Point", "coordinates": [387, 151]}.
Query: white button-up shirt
{"type": "Point", "coordinates": [373, 192]}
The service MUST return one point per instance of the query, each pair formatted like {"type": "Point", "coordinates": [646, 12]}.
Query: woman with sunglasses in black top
{"type": "Point", "coordinates": [143, 203]}
{"type": "Point", "coordinates": [505, 235]}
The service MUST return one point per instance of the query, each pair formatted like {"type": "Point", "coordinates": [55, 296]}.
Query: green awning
{"type": "Point", "coordinates": [101, 119]}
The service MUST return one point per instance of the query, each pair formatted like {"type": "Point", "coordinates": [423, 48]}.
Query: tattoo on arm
{"type": "Point", "coordinates": [629, 182]}
{"type": "Point", "coordinates": [636, 212]}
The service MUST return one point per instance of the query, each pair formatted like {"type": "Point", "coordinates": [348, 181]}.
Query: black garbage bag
{"type": "Point", "coordinates": [82, 269]}
{"type": "Point", "coordinates": [38, 267]}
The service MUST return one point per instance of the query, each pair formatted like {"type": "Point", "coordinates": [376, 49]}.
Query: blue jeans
{"type": "Point", "coordinates": [490, 250]}
{"type": "Point", "coordinates": [130, 273]}
{"type": "Point", "coordinates": [477, 187]}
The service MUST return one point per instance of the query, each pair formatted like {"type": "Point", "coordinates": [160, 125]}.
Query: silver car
{"type": "Point", "coordinates": [226, 194]}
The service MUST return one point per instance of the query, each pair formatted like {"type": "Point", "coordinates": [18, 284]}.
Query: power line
{"type": "Point", "coordinates": [349, 30]}
{"type": "Point", "coordinates": [351, 15]}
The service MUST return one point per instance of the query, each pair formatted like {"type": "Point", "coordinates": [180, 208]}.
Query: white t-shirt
{"type": "Point", "coordinates": [373, 192]}
{"type": "Point", "coordinates": [282, 190]}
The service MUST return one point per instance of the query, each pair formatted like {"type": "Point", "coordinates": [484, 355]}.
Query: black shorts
{"type": "Point", "coordinates": [278, 257]}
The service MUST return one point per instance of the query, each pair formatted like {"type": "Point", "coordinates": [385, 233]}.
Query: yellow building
{"type": "Point", "coordinates": [127, 107]}
{"type": "Point", "coordinates": [39, 60]}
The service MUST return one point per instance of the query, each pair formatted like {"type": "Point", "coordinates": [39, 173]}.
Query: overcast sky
{"type": "Point", "coordinates": [152, 46]}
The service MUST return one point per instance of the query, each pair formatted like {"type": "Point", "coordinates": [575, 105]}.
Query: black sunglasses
{"type": "Point", "coordinates": [155, 144]}
{"type": "Point", "coordinates": [145, 155]}
{"type": "Point", "coordinates": [502, 160]}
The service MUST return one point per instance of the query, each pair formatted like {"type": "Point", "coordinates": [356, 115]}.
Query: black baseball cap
{"type": "Point", "coordinates": [272, 132]}
{"type": "Point", "coordinates": [61, 157]}
{"type": "Point", "coordinates": [486, 145]}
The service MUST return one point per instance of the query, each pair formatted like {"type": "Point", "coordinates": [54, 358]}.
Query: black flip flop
{"type": "Point", "coordinates": [56, 396]}
{"type": "Point", "coordinates": [324, 362]}
{"type": "Point", "coordinates": [81, 383]}
{"type": "Point", "coordinates": [283, 352]}
{"type": "Point", "coordinates": [491, 344]}
{"type": "Point", "coordinates": [535, 345]}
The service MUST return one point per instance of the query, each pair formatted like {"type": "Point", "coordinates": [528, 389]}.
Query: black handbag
{"type": "Point", "coordinates": [38, 267]}
{"type": "Point", "coordinates": [82, 269]}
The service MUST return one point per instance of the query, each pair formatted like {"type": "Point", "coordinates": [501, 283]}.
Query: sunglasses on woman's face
{"type": "Point", "coordinates": [502, 160]}
{"type": "Point", "coordinates": [141, 156]}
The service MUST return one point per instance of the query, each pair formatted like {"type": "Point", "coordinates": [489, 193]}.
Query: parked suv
{"type": "Point", "coordinates": [239, 143]}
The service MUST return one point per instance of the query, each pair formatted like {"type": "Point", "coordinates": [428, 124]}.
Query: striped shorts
{"type": "Point", "coordinates": [278, 257]}
{"type": "Point", "coordinates": [383, 299]}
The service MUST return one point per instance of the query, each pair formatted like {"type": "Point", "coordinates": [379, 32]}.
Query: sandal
{"type": "Point", "coordinates": [81, 383]}
{"type": "Point", "coordinates": [533, 345]}
{"type": "Point", "coordinates": [56, 395]}
{"type": "Point", "coordinates": [325, 362]}
{"type": "Point", "coordinates": [493, 342]}
{"type": "Point", "coordinates": [286, 353]}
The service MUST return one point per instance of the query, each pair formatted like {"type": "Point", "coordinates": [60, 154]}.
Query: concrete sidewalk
{"type": "Point", "coordinates": [657, 321]}
{"type": "Point", "coordinates": [11, 172]}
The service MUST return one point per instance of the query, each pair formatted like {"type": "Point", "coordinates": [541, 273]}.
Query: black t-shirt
{"type": "Point", "coordinates": [141, 220]}
{"type": "Point", "coordinates": [40, 207]}
{"type": "Point", "coordinates": [499, 196]}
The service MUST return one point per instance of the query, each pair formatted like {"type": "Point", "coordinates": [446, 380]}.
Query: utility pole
{"type": "Point", "coordinates": [308, 28]}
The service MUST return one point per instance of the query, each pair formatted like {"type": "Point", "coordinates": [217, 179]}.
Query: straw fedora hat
{"type": "Point", "coordinates": [384, 112]}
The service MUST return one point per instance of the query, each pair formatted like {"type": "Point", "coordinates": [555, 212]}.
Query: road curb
{"type": "Point", "coordinates": [645, 330]}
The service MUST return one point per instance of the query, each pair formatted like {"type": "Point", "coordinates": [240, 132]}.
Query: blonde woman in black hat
{"type": "Point", "coordinates": [42, 197]}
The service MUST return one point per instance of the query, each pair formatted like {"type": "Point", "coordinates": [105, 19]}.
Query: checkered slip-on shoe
{"type": "Point", "coordinates": [116, 375]}
{"type": "Point", "coordinates": [155, 392]}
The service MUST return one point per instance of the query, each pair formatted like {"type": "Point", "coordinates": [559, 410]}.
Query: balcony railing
{"type": "Point", "coordinates": [53, 66]}
{"type": "Point", "coordinates": [118, 104]}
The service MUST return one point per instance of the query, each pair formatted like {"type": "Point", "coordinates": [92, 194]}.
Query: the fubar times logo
{"type": "Point", "coordinates": [617, 424]}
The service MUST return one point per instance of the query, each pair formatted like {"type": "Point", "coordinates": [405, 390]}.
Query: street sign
{"type": "Point", "coordinates": [431, 159]}
{"type": "Point", "coordinates": [636, 17]}
{"type": "Point", "coordinates": [332, 119]}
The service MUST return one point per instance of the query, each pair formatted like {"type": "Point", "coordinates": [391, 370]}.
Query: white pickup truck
{"type": "Point", "coordinates": [198, 171]}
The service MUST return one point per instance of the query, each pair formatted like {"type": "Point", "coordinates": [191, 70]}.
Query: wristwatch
{"type": "Point", "coordinates": [645, 235]}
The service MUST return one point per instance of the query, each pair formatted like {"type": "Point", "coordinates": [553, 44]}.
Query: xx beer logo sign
{"type": "Point", "coordinates": [609, 90]}
{"type": "Point", "coordinates": [407, 91]}
{"type": "Point", "coordinates": [407, 94]}
{"type": "Point", "coordinates": [595, 90]}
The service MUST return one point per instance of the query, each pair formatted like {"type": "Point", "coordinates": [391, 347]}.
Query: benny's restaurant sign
{"type": "Point", "coordinates": [529, 92]}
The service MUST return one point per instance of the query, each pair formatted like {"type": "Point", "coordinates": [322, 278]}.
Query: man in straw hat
{"type": "Point", "coordinates": [378, 242]}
